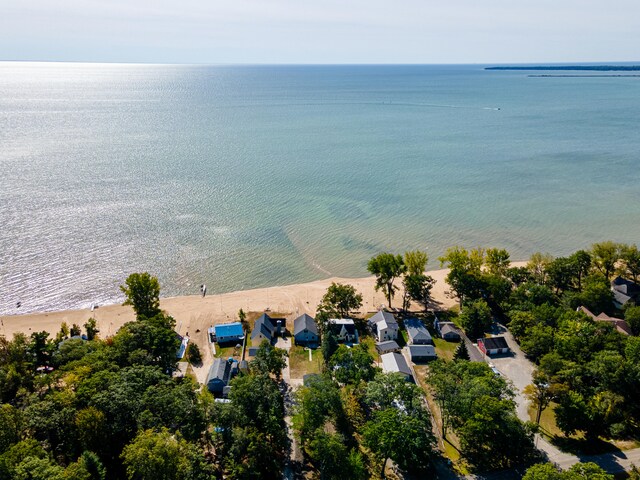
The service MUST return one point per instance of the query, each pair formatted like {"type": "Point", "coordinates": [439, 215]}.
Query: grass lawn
{"type": "Point", "coordinates": [370, 343]}
{"type": "Point", "coordinates": [451, 444]}
{"type": "Point", "coordinates": [444, 349]}
{"type": "Point", "coordinates": [299, 364]}
{"type": "Point", "coordinates": [226, 352]}
{"type": "Point", "coordinates": [577, 444]}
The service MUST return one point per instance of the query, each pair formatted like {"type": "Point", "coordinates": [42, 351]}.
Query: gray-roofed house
{"type": "Point", "coordinates": [395, 363]}
{"type": "Point", "coordinates": [344, 329]}
{"type": "Point", "coordinates": [384, 325]}
{"type": "Point", "coordinates": [219, 375]}
{"type": "Point", "coordinates": [417, 332]}
{"type": "Point", "coordinates": [305, 330]}
{"type": "Point", "coordinates": [388, 346]}
{"type": "Point", "coordinates": [422, 353]}
{"type": "Point", "coordinates": [449, 332]}
{"type": "Point", "coordinates": [267, 328]}
{"type": "Point", "coordinates": [624, 291]}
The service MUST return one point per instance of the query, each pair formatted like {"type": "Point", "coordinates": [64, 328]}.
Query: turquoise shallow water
{"type": "Point", "coordinates": [241, 177]}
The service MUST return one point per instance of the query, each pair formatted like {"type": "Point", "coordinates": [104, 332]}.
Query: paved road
{"type": "Point", "coordinates": [519, 370]}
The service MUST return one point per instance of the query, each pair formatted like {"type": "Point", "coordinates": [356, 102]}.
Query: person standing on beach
{"type": "Point", "coordinates": [204, 291]}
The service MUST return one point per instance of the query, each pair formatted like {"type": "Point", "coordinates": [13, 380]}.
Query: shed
{"type": "Point", "coordinates": [395, 362]}
{"type": "Point", "coordinates": [388, 346]}
{"type": "Point", "coordinates": [422, 353]}
{"type": "Point", "coordinates": [449, 332]}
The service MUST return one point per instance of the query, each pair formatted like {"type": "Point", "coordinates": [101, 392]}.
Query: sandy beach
{"type": "Point", "coordinates": [196, 313]}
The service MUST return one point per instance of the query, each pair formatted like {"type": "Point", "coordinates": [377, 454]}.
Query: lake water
{"type": "Point", "coordinates": [242, 177]}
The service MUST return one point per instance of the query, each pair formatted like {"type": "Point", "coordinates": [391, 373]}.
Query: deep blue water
{"type": "Point", "coordinates": [241, 177]}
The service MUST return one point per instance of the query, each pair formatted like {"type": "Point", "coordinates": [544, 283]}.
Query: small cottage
{"type": "Point", "coordinates": [344, 329]}
{"type": "Point", "coordinates": [219, 375]}
{"type": "Point", "coordinates": [449, 332]}
{"type": "Point", "coordinates": [417, 332]}
{"type": "Point", "coordinates": [305, 331]}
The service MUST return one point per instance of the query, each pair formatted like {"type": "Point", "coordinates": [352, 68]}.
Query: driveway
{"type": "Point", "coordinates": [519, 370]}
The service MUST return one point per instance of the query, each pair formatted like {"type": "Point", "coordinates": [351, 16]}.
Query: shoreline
{"type": "Point", "coordinates": [193, 312]}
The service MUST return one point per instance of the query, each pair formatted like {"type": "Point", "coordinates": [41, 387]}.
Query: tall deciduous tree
{"type": "Point", "coordinates": [340, 299]}
{"type": "Point", "coordinates": [630, 256]}
{"type": "Point", "coordinates": [605, 255]}
{"type": "Point", "coordinates": [416, 262]}
{"type": "Point", "coordinates": [465, 272]}
{"type": "Point", "coordinates": [269, 359]}
{"type": "Point", "coordinates": [386, 267]}
{"type": "Point", "coordinates": [405, 439]}
{"type": "Point", "coordinates": [476, 318]}
{"type": "Point", "coordinates": [498, 261]}
{"type": "Point", "coordinates": [142, 292]}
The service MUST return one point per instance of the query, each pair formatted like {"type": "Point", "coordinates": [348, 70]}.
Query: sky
{"type": "Point", "coordinates": [320, 31]}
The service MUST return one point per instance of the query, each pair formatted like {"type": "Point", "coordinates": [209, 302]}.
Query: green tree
{"type": "Point", "coordinates": [316, 403]}
{"type": "Point", "coordinates": [538, 266]}
{"type": "Point", "coordinates": [243, 320]}
{"type": "Point", "coordinates": [596, 295]}
{"type": "Point", "coordinates": [543, 471]}
{"type": "Point", "coordinates": [415, 262]}
{"type": "Point", "coordinates": [75, 330]}
{"type": "Point", "coordinates": [498, 261]}
{"type": "Point", "coordinates": [632, 317]}
{"type": "Point", "coordinates": [351, 365]}
{"type": "Point", "coordinates": [91, 327]}
{"type": "Point", "coordinates": [582, 261]}
{"type": "Point", "coordinates": [387, 390]}
{"type": "Point", "coordinates": [10, 426]}
{"type": "Point", "coordinates": [476, 318]}
{"type": "Point", "coordinates": [405, 439]}
{"type": "Point", "coordinates": [269, 359]}
{"type": "Point", "coordinates": [630, 256]}
{"type": "Point", "coordinates": [465, 272]}
{"type": "Point", "coordinates": [193, 354]}
{"type": "Point", "coordinates": [587, 471]}
{"type": "Point", "coordinates": [329, 345]}
{"type": "Point", "coordinates": [493, 437]}
{"type": "Point", "coordinates": [341, 299]}
{"type": "Point", "coordinates": [539, 393]}
{"type": "Point", "coordinates": [162, 456]}
{"type": "Point", "coordinates": [88, 467]}
{"type": "Point", "coordinates": [386, 267]}
{"type": "Point", "coordinates": [142, 292]}
{"type": "Point", "coordinates": [333, 459]}
{"type": "Point", "coordinates": [605, 255]}
{"type": "Point", "coordinates": [461, 352]}
{"type": "Point", "coordinates": [91, 426]}
{"type": "Point", "coordinates": [149, 341]}
{"type": "Point", "coordinates": [417, 288]}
